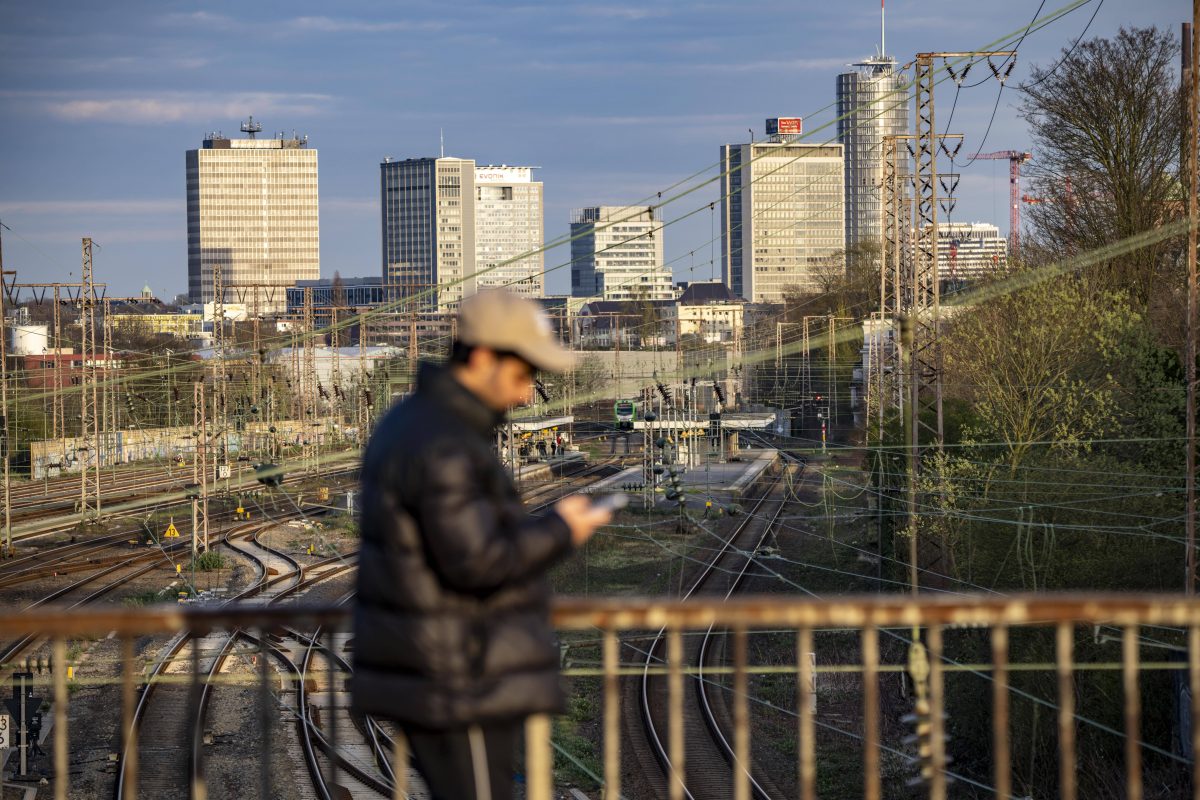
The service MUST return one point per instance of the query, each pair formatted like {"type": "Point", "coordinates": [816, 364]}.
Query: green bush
{"type": "Point", "coordinates": [208, 561]}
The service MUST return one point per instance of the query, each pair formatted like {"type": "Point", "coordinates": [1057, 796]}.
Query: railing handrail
{"type": "Point", "coordinates": [879, 611]}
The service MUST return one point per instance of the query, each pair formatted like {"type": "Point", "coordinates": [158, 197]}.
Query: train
{"type": "Point", "coordinates": [625, 412]}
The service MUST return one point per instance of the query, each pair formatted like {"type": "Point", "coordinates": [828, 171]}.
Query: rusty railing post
{"type": "Point", "coordinates": [612, 712]}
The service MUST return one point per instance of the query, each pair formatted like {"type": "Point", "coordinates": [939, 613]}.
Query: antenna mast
{"type": "Point", "coordinates": [251, 127]}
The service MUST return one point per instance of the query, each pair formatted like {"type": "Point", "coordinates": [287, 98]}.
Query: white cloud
{"type": "Point", "coordinates": [630, 13]}
{"type": "Point", "coordinates": [208, 107]}
{"type": "Point", "coordinates": [298, 25]}
{"type": "Point", "coordinates": [334, 25]}
{"type": "Point", "coordinates": [106, 207]}
{"type": "Point", "coordinates": [200, 18]}
{"type": "Point", "coordinates": [349, 204]}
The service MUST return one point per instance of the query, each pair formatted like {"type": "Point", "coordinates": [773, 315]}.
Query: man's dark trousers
{"type": "Point", "coordinates": [473, 763]}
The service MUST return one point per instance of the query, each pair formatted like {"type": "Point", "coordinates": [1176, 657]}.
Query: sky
{"type": "Point", "coordinates": [614, 102]}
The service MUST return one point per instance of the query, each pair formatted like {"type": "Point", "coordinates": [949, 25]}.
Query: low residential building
{"type": "Point", "coordinates": [708, 311]}
{"type": "Point", "coordinates": [181, 326]}
{"type": "Point", "coordinates": [62, 368]}
{"type": "Point", "coordinates": [602, 324]}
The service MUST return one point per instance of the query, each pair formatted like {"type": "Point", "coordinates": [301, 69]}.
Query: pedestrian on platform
{"type": "Point", "coordinates": [452, 635]}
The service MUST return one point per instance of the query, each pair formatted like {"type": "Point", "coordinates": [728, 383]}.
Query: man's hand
{"type": "Point", "coordinates": [581, 517]}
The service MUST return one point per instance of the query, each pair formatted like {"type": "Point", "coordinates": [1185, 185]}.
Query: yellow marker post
{"type": "Point", "coordinates": [70, 673]}
{"type": "Point", "coordinates": [179, 569]}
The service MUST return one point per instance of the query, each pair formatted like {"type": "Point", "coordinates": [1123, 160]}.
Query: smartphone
{"type": "Point", "coordinates": [611, 502]}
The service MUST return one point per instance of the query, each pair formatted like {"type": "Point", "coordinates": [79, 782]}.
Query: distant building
{"type": "Point", "coordinates": [617, 254]}
{"type": "Point", "coordinates": [782, 220]}
{"type": "Point", "coordinates": [62, 368]}
{"type": "Point", "coordinates": [601, 324]}
{"type": "Point", "coordinates": [252, 208]}
{"type": "Point", "coordinates": [181, 326]}
{"type": "Point", "coordinates": [428, 208]}
{"type": "Point", "coordinates": [342, 292]}
{"type": "Point", "coordinates": [872, 102]}
{"type": "Point", "coordinates": [707, 311]}
{"type": "Point", "coordinates": [968, 251]}
{"type": "Point", "coordinates": [509, 229]}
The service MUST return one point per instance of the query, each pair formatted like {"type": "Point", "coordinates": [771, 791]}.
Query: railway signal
{"type": "Point", "coordinates": [22, 707]}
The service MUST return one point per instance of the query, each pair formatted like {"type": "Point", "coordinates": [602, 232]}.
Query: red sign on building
{"type": "Point", "coordinates": [785, 126]}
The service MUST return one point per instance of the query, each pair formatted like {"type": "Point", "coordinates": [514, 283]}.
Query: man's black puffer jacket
{"type": "Point", "coordinates": [451, 625]}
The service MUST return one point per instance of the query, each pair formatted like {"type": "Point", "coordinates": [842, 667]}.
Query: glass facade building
{"type": "Point", "coordinates": [428, 208]}
{"type": "Point", "coordinates": [781, 216]}
{"type": "Point", "coordinates": [872, 102]}
{"type": "Point", "coordinates": [252, 208]}
{"type": "Point", "coordinates": [508, 229]}
{"type": "Point", "coordinates": [617, 254]}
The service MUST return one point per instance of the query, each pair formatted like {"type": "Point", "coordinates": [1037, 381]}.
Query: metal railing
{"type": "Point", "coordinates": [929, 641]}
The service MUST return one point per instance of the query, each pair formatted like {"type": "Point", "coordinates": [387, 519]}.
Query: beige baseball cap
{"type": "Point", "coordinates": [501, 320]}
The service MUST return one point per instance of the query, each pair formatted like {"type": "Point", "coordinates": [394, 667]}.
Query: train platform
{"type": "Point", "coordinates": [728, 479]}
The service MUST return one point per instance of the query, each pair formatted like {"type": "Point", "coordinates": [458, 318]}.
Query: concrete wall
{"type": "Point", "coordinates": [59, 456]}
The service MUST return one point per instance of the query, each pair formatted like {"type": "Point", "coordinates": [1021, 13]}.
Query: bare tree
{"type": "Point", "coordinates": [1106, 125]}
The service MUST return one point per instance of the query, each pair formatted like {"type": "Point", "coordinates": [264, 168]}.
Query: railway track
{"type": "Point", "coordinates": [704, 744]}
{"type": "Point", "coordinates": [170, 710]}
{"type": "Point", "coordinates": [167, 710]}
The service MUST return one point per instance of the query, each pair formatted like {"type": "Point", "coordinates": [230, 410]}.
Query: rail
{"type": "Point", "coordinates": [948, 629]}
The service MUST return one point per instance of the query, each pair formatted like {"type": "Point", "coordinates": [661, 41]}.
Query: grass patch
{"type": "Point", "coordinates": [140, 599]}
{"type": "Point", "coordinates": [208, 561]}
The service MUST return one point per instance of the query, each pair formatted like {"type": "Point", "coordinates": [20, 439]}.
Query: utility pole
{"type": "Point", "coordinates": [59, 413]}
{"type": "Point", "coordinates": [200, 469]}
{"type": "Point", "coordinates": [1191, 47]}
{"type": "Point", "coordinates": [89, 422]}
{"type": "Point", "coordinates": [220, 369]}
{"type": "Point", "coordinates": [6, 440]}
{"type": "Point", "coordinates": [308, 382]}
{"type": "Point", "coordinates": [926, 298]}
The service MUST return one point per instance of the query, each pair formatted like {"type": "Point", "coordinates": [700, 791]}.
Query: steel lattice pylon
{"type": "Point", "coordinates": [89, 490]}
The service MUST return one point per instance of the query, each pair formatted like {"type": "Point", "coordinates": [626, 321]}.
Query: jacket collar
{"type": "Point", "coordinates": [437, 382]}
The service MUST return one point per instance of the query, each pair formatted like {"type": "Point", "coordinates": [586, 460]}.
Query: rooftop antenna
{"type": "Point", "coordinates": [882, 31]}
{"type": "Point", "coordinates": [251, 127]}
{"type": "Point", "coordinates": [441, 143]}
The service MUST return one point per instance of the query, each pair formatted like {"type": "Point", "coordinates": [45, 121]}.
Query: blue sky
{"type": "Point", "coordinates": [614, 101]}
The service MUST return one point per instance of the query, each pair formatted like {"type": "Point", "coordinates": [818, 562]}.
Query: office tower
{"type": "Point", "coordinates": [782, 225]}
{"type": "Point", "coordinates": [508, 229]}
{"type": "Point", "coordinates": [617, 254]}
{"type": "Point", "coordinates": [428, 208]}
{"type": "Point", "coordinates": [252, 208]}
{"type": "Point", "coordinates": [872, 102]}
{"type": "Point", "coordinates": [968, 251]}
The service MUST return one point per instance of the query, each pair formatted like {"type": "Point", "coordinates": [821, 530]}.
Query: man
{"type": "Point", "coordinates": [452, 636]}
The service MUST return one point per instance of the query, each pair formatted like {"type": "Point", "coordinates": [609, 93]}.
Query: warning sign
{"type": "Point", "coordinates": [171, 532]}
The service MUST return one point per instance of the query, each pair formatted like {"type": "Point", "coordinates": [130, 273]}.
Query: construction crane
{"type": "Point", "coordinates": [1015, 159]}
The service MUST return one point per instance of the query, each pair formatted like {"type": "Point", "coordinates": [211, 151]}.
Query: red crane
{"type": "Point", "coordinates": [1015, 159]}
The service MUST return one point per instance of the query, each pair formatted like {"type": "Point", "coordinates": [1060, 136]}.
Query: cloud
{"type": "Point", "coordinates": [182, 106]}
{"type": "Point", "coordinates": [349, 204]}
{"type": "Point", "coordinates": [630, 13]}
{"type": "Point", "coordinates": [200, 18]}
{"type": "Point", "coordinates": [106, 207]}
{"type": "Point", "coordinates": [767, 67]}
{"type": "Point", "coordinates": [334, 25]}
{"type": "Point", "coordinates": [297, 25]}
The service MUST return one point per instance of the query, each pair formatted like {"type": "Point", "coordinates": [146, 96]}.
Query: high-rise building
{"type": "Point", "coordinates": [782, 224]}
{"type": "Point", "coordinates": [617, 254]}
{"type": "Point", "coordinates": [968, 251]}
{"type": "Point", "coordinates": [508, 229]}
{"type": "Point", "coordinates": [252, 208]}
{"type": "Point", "coordinates": [872, 102]}
{"type": "Point", "coordinates": [428, 208]}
